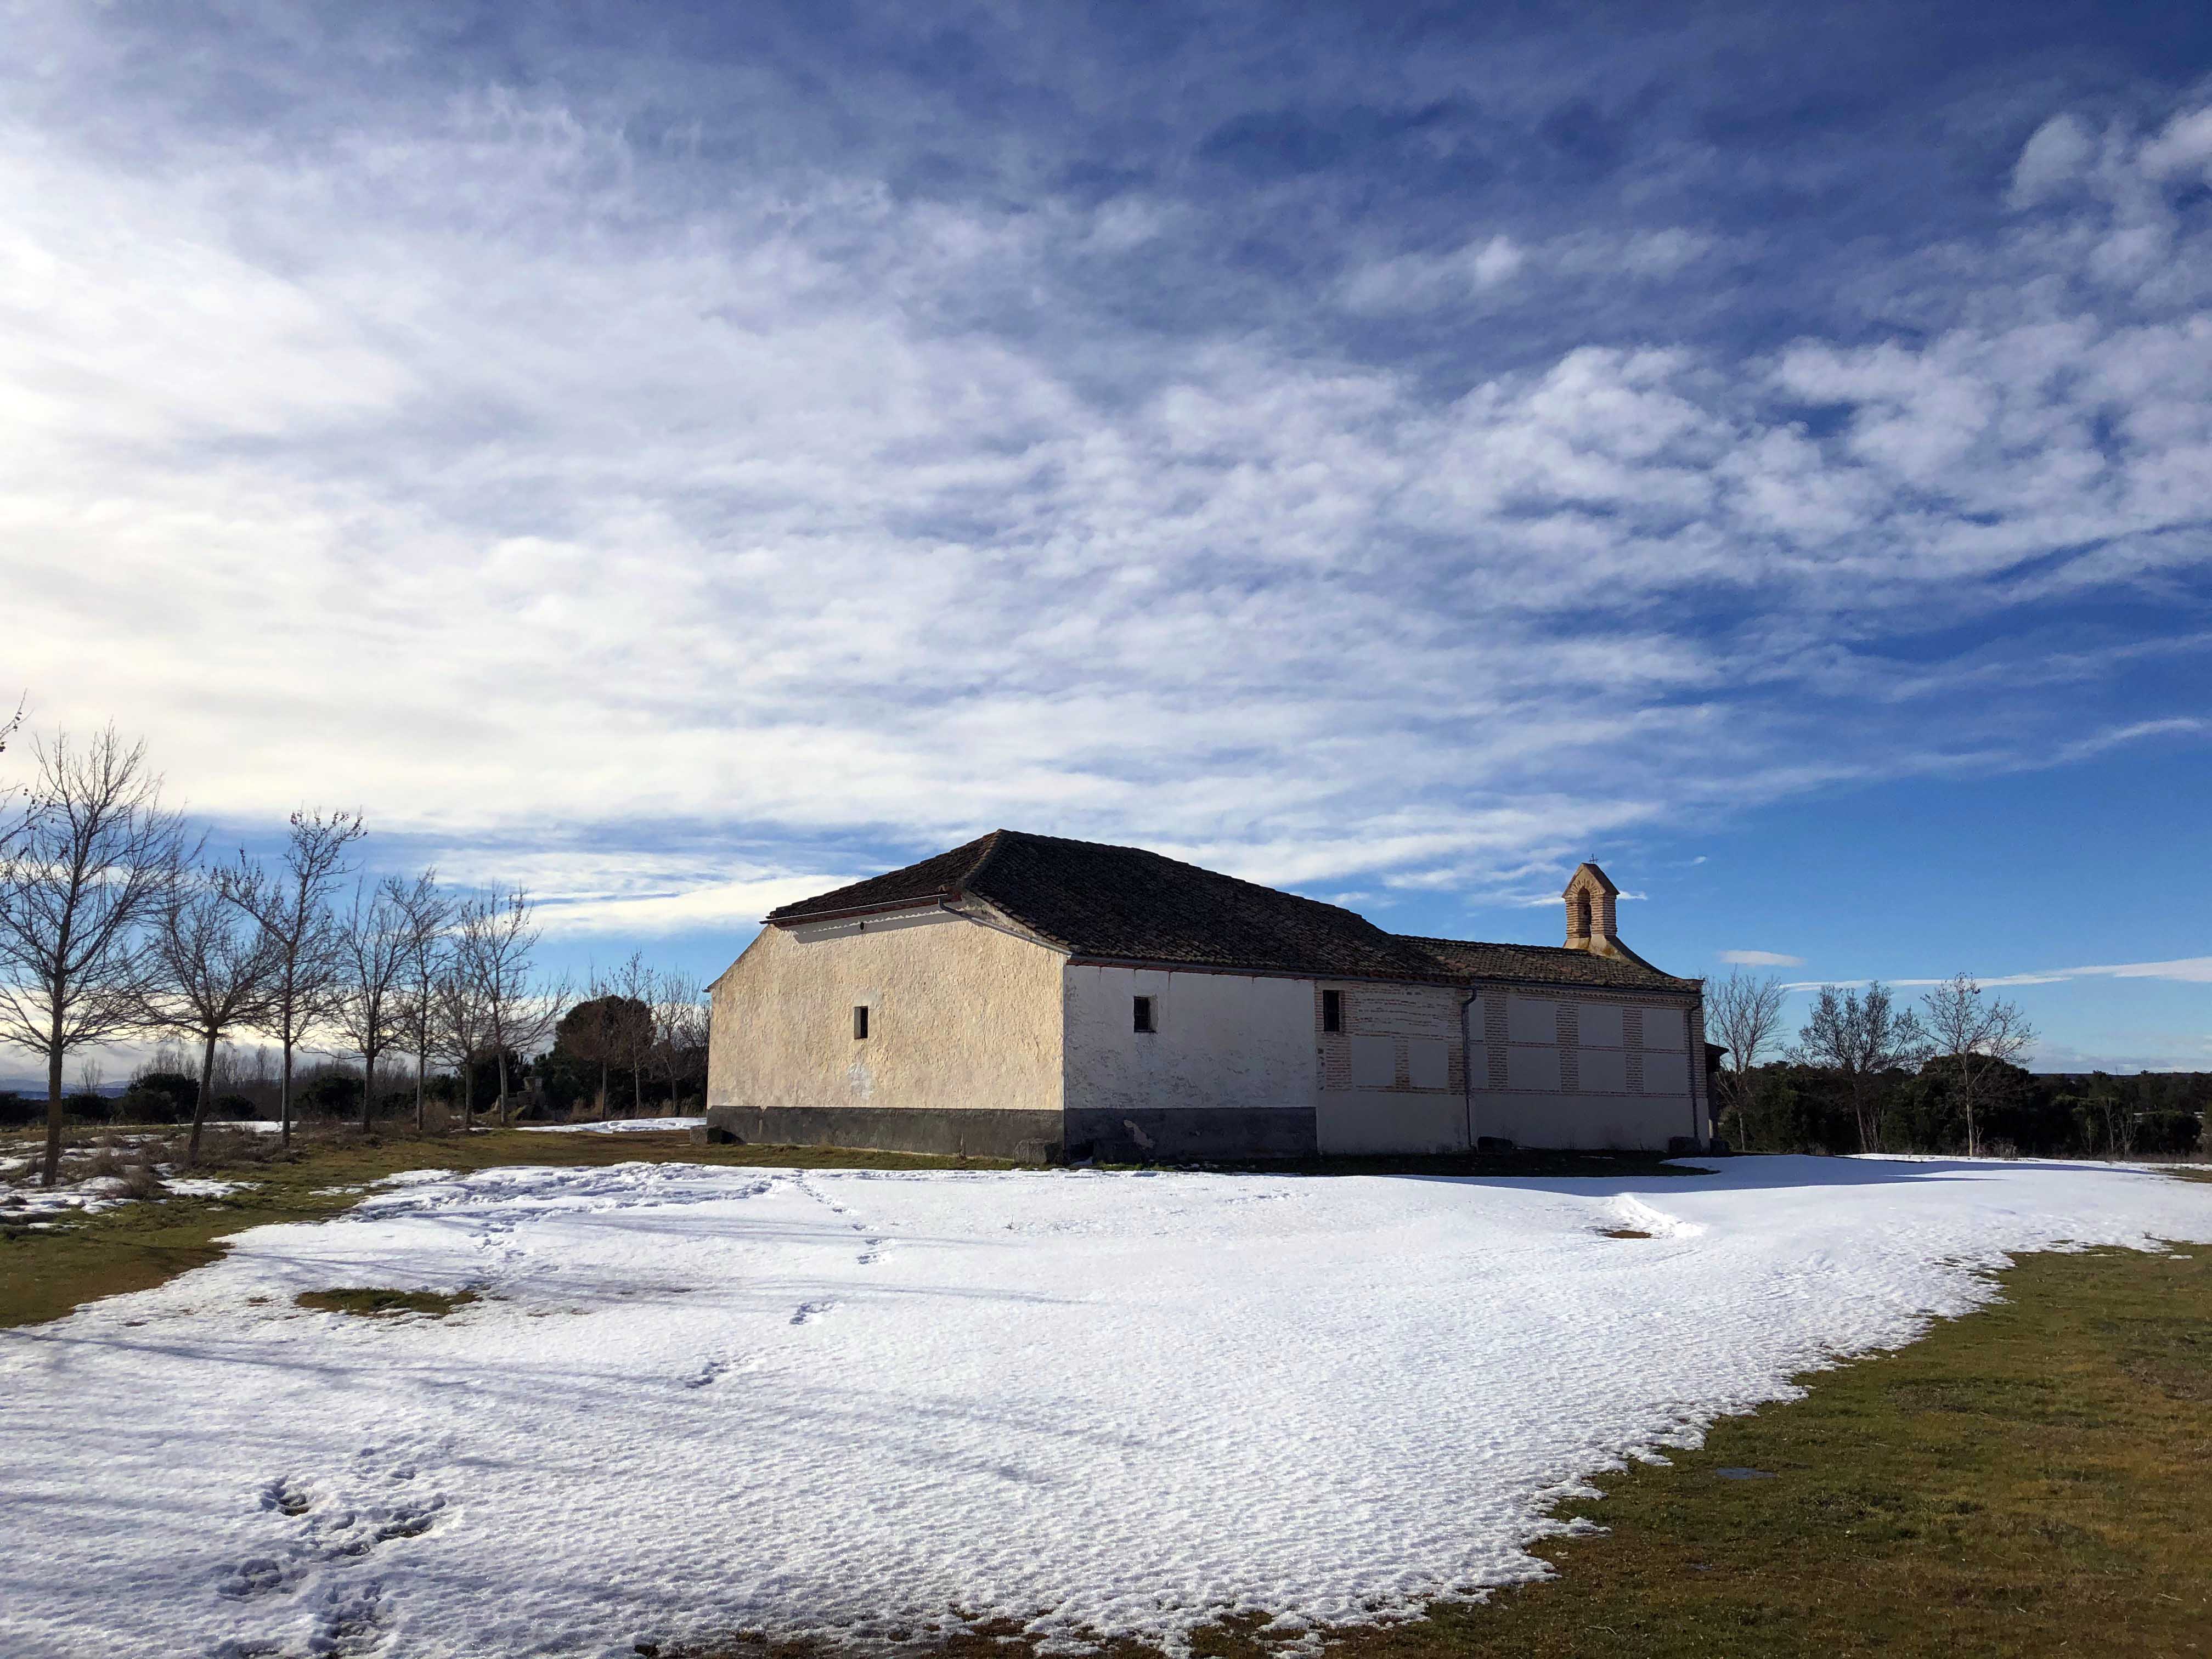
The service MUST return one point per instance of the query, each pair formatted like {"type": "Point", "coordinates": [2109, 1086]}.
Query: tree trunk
{"type": "Point", "coordinates": [367, 1090]}
{"type": "Point", "coordinates": [602, 1113]}
{"type": "Point", "coordinates": [468, 1093]}
{"type": "Point", "coordinates": [54, 1104]}
{"type": "Point", "coordinates": [502, 1057]}
{"type": "Point", "coordinates": [422, 1060]}
{"type": "Point", "coordinates": [284, 1107]}
{"type": "Point", "coordinates": [200, 1105]}
{"type": "Point", "coordinates": [1869, 1125]}
{"type": "Point", "coordinates": [637, 1090]}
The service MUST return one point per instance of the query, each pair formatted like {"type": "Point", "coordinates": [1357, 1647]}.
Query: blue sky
{"type": "Point", "coordinates": [681, 457]}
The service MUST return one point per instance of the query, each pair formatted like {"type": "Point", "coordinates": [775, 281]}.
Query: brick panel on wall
{"type": "Point", "coordinates": [1612, 1022]}
{"type": "Point", "coordinates": [1401, 1012]}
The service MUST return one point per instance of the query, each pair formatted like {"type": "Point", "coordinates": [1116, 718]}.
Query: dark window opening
{"type": "Point", "coordinates": [1582, 914]}
{"type": "Point", "coordinates": [860, 1022]}
{"type": "Point", "coordinates": [1144, 1014]}
{"type": "Point", "coordinates": [1332, 1010]}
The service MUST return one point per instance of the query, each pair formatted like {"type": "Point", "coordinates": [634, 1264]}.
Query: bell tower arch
{"type": "Point", "coordinates": [1592, 924]}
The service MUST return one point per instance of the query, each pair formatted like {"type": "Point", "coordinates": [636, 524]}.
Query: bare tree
{"type": "Point", "coordinates": [1862, 1035]}
{"type": "Point", "coordinates": [520, 1016]}
{"type": "Point", "coordinates": [1745, 1014]}
{"type": "Point", "coordinates": [372, 950]}
{"type": "Point", "coordinates": [8, 730]}
{"type": "Point", "coordinates": [1975, 1036]}
{"type": "Point", "coordinates": [458, 1022]}
{"type": "Point", "coordinates": [679, 1027]}
{"type": "Point", "coordinates": [293, 907]}
{"type": "Point", "coordinates": [632, 1029]}
{"type": "Point", "coordinates": [90, 863]}
{"type": "Point", "coordinates": [214, 967]}
{"type": "Point", "coordinates": [427, 911]}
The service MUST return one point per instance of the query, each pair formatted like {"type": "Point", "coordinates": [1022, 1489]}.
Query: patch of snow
{"type": "Point", "coordinates": [80, 1197]}
{"type": "Point", "coordinates": [203, 1187]}
{"type": "Point", "coordinates": [691, 1401]}
{"type": "Point", "coordinates": [613, 1126]}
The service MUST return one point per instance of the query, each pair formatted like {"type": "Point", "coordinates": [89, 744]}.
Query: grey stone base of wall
{"type": "Point", "coordinates": [1192, 1134]}
{"type": "Point", "coordinates": [1189, 1135]}
{"type": "Point", "coordinates": [1025, 1137]}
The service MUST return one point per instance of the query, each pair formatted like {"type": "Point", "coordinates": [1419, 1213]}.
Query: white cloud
{"type": "Point", "coordinates": [2184, 147]}
{"type": "Point", "coordinates": [2187, 971]}
{"type": "Point", "coordinates": [1473, 273]}
{"type": "Point", "coordinates": [1761, 959]}
{"type": "Point", "coordinates": [1420, 282]}
{"type": "Point", "coordinates": [2183, 970]}
{"type": "Point", "coordinates": [2059, 153]}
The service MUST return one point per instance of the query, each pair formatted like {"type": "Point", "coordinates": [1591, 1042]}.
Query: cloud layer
{"type": "Point", "coordinates": [702, 481]}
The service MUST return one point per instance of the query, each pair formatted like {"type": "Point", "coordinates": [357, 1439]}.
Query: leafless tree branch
{"type": "Point", "coordinates": [292, 904]}
{"type": "Point", "coordinates": [91, 863]}
{"type": "Point", "coordinates": [1862, 1035]}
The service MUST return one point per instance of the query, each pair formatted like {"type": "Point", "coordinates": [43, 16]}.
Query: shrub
{"type": "Point", "coordinates": [138, 1105]}
{"type": "Point", "coordinates": [184, 1090]}
{"type": "Point", "coordinates": [2164, 1133]}
{"type": "Point", "coordinates": [334, 1094]}
{"type": "Point", "coordinates": [233, 1109]}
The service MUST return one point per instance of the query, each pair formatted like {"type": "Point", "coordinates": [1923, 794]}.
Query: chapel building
{"type": "Point", "coordinates": [1052, 1000]}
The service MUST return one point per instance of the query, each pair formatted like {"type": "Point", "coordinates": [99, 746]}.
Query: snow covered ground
{"type": "Point", "coordinates": [618, 1125]}
{"type": "Point", "coordinates": [695, 1400]}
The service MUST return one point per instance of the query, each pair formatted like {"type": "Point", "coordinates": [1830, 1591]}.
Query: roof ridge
{"type": "Point", "coordinates": [990, 850]}
{"type": "Point", "coordinates": [1501, 943]}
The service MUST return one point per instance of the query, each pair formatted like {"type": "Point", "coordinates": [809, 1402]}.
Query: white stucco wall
{"type": "Point", "coordinates": [962, 1016]}
{"type": "Point", "coordinates": [1222, 1040]}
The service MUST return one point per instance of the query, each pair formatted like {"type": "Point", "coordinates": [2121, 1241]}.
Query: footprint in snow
{"type": "Point", "coordinates": [288, 1495]}
{"type": "Point", "coordinates": [353, 1627]}
{"type": "Point", "coordinates": [810, 1311]}
{"type": "Point", "coordinates": [256, 1577]}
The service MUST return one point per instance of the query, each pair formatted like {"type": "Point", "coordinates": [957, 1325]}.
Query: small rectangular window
{"type": "Point", "coordinates": [1144, 1014]}
{"type": "Point", "coordinates": [1332, 1010]}
{"type": "Point", "coordinates": [860, 1021]}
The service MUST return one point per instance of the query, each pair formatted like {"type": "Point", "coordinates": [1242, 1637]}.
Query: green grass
{"type": "Point", "coordinates": [381, 1302]}
{"type": "Point", "coordinates": [2033, 1478]}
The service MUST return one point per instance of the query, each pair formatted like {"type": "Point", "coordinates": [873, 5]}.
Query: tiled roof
{"type": "Point", "coordinates": [1125, 904]}
{"type": "Point", "coordinates": [1549, 963]}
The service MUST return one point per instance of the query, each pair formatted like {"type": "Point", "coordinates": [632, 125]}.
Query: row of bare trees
{"type": "Point", "coordinates": [1862, 1036]}
{"type": "Point", "coordinates": [114, 925]}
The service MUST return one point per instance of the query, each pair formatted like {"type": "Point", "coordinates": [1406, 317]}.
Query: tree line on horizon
{"type": "Point", "coordinates": [116, 924]}
{"type": "Point", "coordinates": [1866, 1074]}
